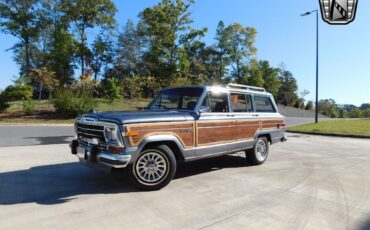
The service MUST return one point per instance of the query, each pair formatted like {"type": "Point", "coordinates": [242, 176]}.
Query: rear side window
{"type": "Point", "coordinates": [241, 102]}
{"type": "Point", "coordinates": [263, 104]}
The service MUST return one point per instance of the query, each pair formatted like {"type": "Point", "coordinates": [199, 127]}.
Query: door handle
{"type": "Point", "coordinates": [230, 115]}
{"type": "Point", "coordinates": [255, 115]}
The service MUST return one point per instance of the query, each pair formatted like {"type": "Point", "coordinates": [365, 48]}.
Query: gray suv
{"type": "Point", "coordinates": [180, 124]}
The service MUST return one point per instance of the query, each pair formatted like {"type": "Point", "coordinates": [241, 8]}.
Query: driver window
{"type": "Point", "coordinates": [217, 102]}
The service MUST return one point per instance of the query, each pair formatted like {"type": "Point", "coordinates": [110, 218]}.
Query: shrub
{"type": "Point", "coordinates": [69, 104]}
{"type": "Point", "coordinates": [28, 106]}
{"type": "Point", "coordinates": [17, 92]}
{"type": "Point", "coordinates": [3, 104]}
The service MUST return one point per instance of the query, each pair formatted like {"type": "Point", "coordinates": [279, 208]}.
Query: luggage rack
{"type": "Point", "coordinates": [238, 86]}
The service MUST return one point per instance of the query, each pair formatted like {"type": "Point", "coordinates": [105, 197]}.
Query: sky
{"type": "Point", "coordinates": [283, 36]}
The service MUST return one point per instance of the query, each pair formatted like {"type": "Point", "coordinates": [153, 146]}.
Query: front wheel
{"type": "Point", "coordinates": [154, 168]}
{"type": "Point", "coordinates": [259, 153]}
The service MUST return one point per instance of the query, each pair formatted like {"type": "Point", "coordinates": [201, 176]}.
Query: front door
{"type": "Point", "coordinates": [216, 127]}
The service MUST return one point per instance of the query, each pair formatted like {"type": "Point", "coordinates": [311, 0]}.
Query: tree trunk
{"type": "Point", "coordinates": [82, 65]}
{"type": "Point", "coordinates": [28, 63]}
{"type": "Point", "coordinates": [40, 91]}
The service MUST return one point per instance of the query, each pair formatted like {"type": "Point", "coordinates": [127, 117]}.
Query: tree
{"type": "Point", "coordinates": [166, 27]}
{"type": "Point", "coordinates": [23, 20]}
{"type": "Point", "coordinates": [44, 78]}
{"type": "Point", "coordinates": [366, 113]}
{"type": "Point", "coordinates": [111, 89]}
{"type": "Point", "coordinates": [129, 50]}
{"type": "Point", "coordinates": [253, 75]}
{"type": "Point", "coordinates": [85, 14]}
{"type": "Point", "coordinates": [356, 113]}
{"type": "Point", "coordinates": [365, 106]}
{"type": "Point", "coordinates": [221, 51]}
{"type": "Point", "coordinates": [101, 55]}
{"type": "Point", "coordinates": [270, 77]}
{"type": "Point", "coordinates": [240, 47]}
{"type": "Point", "coordinates": [287, 94]}
{"type": "Point", "coordinates": [309, 105]}
{"type": "Point", "coordinates": [328, 108]}
{"type": "Point", "coordinates": [62, 45]}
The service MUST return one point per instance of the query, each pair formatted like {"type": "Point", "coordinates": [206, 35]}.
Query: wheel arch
{"type": "Point", "coordinates": [267, 135]}
{"type": "Point", "coordinates": [171, 141]}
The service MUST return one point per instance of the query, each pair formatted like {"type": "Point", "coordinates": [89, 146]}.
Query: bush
{"type": "Point", "coordinates": [3, 104]}
{"type": "Point", "coordinates": [69, 104]}
{"type": "Point", "coordinates": [17, 93]}
{"type": "Point", "coordinates": [28, 106]}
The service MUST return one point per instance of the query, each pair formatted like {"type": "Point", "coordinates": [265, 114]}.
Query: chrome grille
{"type": "Point", "coordinates": [90, 131]}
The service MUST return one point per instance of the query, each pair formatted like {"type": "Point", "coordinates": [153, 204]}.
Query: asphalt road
{"type": "Point", "coordinates": [20, 135]}
{"type": "Point", "coordinates": [309, 182]}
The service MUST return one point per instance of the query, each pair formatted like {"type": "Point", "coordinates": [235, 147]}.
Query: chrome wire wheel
{"type": "Point", "coordinates": [151, 167]}
{"type": "Point", "coordinates": [261, 150]}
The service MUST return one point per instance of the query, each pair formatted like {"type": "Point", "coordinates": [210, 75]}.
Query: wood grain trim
{"type": "Point", "coordinates": [183, 131]}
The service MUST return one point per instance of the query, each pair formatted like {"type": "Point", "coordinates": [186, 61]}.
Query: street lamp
{"type": "Point", "coordinates": [317, 62]}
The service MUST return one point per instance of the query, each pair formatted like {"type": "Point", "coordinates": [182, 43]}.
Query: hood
{"type": "Point", "coordinates": [142, 116]}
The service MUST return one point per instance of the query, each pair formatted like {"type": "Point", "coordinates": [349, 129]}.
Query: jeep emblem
{"type": "Point", "coordinates": [338, 12]}
{"type": "Point", "coordinates": [88, 119]}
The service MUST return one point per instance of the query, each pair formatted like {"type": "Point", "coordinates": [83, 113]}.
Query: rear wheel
{"type": "Point", "coordinates": [259, 153]}
{"type": "Point", "coordinates": [154, 168]}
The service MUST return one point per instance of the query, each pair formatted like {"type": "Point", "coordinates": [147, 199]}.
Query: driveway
{"type": "Point", "coordinates": [309, 182]}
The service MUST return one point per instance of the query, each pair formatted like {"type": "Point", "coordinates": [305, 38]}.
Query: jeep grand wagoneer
{"type": "Point", "coordinates": [180, 124]}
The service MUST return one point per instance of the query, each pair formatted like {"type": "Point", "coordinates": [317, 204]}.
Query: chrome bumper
{"type": "Point", "coordinates": [91, 155]}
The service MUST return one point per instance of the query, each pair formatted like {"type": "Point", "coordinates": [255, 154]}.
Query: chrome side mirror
{"type": "Point", "coordinates": [204, 109]}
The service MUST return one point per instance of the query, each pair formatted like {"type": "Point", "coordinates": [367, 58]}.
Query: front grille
{"type": "Point", "coordinates": [90, 131]}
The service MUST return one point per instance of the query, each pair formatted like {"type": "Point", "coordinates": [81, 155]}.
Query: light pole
{"type": "Point", "coordinates": [317, 62]}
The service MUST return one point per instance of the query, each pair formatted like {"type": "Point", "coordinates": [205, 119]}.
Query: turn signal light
{"type": "Point", "coordinates": [131, 134]}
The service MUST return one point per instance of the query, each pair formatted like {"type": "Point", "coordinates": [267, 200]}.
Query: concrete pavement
{"type": "Point", "coordinates": [309, 182]}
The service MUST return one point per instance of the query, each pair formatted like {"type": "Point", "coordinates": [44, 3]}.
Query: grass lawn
{"type": "Point", "coordinates": [345, 126]}
{"type": "Point", "coordinates": [45, 111]}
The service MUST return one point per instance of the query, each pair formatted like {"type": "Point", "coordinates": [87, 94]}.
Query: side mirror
{"type": "Point", "coordinates": [204, 109]}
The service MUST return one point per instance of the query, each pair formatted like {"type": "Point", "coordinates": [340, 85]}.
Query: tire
{"type": "Point", "coordinates": [154, 168]}
{"type": "Point", "coordinates": [259, 153]}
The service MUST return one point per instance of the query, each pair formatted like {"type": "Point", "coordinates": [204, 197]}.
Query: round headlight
{"type": "Point", "coordinates": [108, 134]}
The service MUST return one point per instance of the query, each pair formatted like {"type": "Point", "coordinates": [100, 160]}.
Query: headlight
{"type": "Point", "coordinates": [108, 134]}
{"type": "Point", "coordinates": [111, 133]}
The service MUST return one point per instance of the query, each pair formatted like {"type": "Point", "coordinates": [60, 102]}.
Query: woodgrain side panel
{"type": "Point", "coordinates": [247, 129]}
{"type": "Point", "coordinates": [272, 124]}
{"type": "Point", "coordinates": [184, 131]}
{"type": "Point", "coordinates": [215, 132]}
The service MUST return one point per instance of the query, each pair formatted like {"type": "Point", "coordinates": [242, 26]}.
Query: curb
{"type": "Point", "coordinates": [331, 134]}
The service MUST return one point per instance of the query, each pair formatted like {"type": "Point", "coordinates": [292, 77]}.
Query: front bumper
{"type": "Point", "coordinates": [92, 155]}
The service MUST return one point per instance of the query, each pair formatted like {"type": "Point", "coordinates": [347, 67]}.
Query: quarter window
{"type": "Point", "coordinates": [241, 103]}
{"type": "Point", "coordinates": [263, 104]}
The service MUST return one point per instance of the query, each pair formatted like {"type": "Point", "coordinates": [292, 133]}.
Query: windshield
{"type": "Point", "coordinates": [177, 98]}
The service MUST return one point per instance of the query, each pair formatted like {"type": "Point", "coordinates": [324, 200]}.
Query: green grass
{"type": "Point", "coordinates": [345, 126]}
{"type": "Point", "coordinates": [121, 105]}
{"type": "Point", "coordinates": [45, 111]}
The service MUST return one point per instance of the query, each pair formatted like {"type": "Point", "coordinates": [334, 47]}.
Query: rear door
{"type": "Point", "coordinates": [247, 121]}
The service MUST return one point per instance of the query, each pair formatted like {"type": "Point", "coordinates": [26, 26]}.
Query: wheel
{"type": "Point", "coordinates": [154, 168]}
{"type": "Point", "coordinates": [260, 151]}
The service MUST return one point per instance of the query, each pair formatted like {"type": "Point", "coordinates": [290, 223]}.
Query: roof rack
{"type": "Point", "coordinates": [232, 85]}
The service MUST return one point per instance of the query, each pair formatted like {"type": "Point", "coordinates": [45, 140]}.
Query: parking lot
{"type": "Point", "coordinates": [309, 182]}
